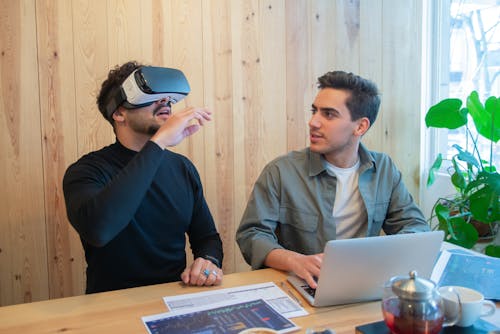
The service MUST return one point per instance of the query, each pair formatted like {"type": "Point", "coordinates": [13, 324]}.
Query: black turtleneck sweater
{"type": "Point", "coordinates": [133, 210]}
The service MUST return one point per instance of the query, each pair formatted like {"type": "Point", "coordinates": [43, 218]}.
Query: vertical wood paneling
{"type": "Point", "coordinates": [124, 26]}
{"type": "Point", "coordinates": [253, 62]}
{"type": "Point", "coordinates": [401, 61]}
{"type": "Point", "coordinates": [149, 19]}
{"type": "Point", "coordinates": [219, 159]}
{"type": "Point", "coordinates": [370, 66]}
{"type": "Point", "coordinates": [159, 23]}
{"type": "Point", "coordinates": [299, 93]}
{"type": "Point", "coordinates": [248, 97]}
{"type": "Point", "coordinates": [346, 27]}
{"type": "Point", "coordinates": [272, 30]}
{"type": "Point", "coordinates": [251, 75]}
{"type": "Point", "coordinates": [239, 168]}
{"type": "Point", "coordinates": [91, 52]}
{"type": "Point", "coordinates": [23, 249]}
{"type": "Point", "coordinates": [57, 105]}
{"type": "Point", "coordinates": [323, 43]}
{"type": "Point", "coordinates": [187, 55]}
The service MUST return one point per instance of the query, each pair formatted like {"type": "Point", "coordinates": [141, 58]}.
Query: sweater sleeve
{"type": "Point", "coordinates": [203, 237]}
{"type": "Point", "coordinates": [98, 207]}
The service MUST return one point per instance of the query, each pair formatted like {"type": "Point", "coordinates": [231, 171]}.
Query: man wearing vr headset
{"type": "Point", "coordinates": [133, 202]}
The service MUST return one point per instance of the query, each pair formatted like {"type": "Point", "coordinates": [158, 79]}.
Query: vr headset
{"type": "Point", "coordinates": [146, 85]}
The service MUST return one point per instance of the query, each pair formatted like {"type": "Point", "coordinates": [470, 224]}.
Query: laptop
{"type": "Point", "coordinates": [355, 270]}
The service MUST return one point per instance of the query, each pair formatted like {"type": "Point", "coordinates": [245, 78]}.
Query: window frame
{"type": "Point", "coordinates": [435, 86]}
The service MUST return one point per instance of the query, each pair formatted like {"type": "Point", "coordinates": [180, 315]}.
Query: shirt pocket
{"type": "Point", "coordinates": [298, 230]}
{"type": "Point", "coordinates": [379, 216]}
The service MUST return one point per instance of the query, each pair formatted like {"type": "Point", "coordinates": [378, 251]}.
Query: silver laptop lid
{"type": "Point", "coordinates": [355, 270]}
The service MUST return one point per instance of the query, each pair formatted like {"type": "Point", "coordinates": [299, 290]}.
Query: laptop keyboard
{"type": "Point", "coordinates": [308, 289]}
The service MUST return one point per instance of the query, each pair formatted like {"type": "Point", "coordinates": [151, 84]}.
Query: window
{"type": "Point", "coordinates": [474, 55]}
{"type": "Point", "coordinates": [464, 55]}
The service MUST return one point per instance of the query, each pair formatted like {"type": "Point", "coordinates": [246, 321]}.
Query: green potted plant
{"type": "Point", "coordinates": [476, 204]}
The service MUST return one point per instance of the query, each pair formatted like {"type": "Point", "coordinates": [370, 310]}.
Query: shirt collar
{"type": "Point", "coordinates": [317, 167]}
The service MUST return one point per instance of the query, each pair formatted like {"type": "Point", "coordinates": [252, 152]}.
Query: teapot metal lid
{"type": "Point", "coordinates": [413, 287]}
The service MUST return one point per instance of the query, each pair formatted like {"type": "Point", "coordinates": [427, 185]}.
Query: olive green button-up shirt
{"type": "Point", "coordinates": [292, 201]}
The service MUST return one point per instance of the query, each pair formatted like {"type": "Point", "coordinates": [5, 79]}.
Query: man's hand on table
{"type": "Point", "coordinates": [202, 272]}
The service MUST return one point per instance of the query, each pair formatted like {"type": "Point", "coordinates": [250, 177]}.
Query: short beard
{"type": "Point", "coordinates": [144, 125]}
{"type": "Point", "coordinates": [152, 129]}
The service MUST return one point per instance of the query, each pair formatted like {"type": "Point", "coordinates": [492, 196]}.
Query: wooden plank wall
{"type": "Point", "coordinates": [253, 62]}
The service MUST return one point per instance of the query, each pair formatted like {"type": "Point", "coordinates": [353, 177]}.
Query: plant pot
{"type": "Point", "coordinates": [486, 232]}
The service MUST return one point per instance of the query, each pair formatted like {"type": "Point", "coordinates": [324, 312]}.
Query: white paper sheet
{"type": "Point", "coordinates": [269, 292]}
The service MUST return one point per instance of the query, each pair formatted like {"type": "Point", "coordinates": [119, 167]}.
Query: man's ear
{"type": "Point", "coordinates": [119, 115]}
{"type": "Point", "coordinates": [363, 126]}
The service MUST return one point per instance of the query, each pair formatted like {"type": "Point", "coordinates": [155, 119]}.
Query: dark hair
{"type": "Point", "coordinates": [116, 76]}
{"type": "Point", "coordinates": [364, 99]}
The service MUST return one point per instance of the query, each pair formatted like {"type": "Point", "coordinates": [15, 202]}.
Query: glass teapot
{"type": "Point", "coordinates": [413, 305]}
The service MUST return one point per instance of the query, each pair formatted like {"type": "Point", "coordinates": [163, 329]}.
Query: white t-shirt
{"type": "Point", "coordinates": [349, 213]}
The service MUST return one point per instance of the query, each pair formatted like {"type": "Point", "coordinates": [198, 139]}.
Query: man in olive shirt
{"type": "Point", "coordinates": [334, 189]}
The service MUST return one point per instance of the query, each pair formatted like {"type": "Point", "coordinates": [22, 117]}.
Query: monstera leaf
{"type": "Point", "coordinates": [476, 179]}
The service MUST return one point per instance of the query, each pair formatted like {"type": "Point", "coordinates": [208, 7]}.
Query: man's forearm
{"type": "Point", "coordinates": [280, 259]}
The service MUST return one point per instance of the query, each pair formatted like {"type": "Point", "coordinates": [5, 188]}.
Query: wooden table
{"type": "Point", "coordinates": [121, 311]}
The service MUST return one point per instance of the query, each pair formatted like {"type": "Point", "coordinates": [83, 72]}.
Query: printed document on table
{"type": "Point", "coordinates": [269, 292]}
{"type": "Point", "coordinates": [469, 269]}
{"type": "Point", "coordinates": [462, 267]}
{"type": "Point", "coordinates": [220, 319]}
